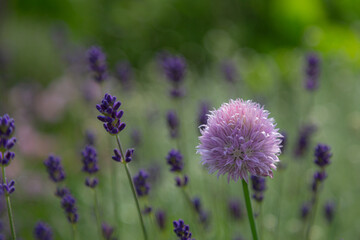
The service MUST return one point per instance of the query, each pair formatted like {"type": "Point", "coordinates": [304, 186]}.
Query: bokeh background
{"type": "Point", "coordinates": [46, 87]}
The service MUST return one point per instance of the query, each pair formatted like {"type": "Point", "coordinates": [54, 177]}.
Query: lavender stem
{"type": "Point", "coordinates": [8, 204]}
{"type": "Point", "coordinates": [132, 188]}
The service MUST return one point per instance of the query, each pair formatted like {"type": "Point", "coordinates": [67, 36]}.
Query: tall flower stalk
{"type": "Point", "coordinates": [7, 142]}
{"type": "Point", "coordinates": [111, 118]}
{"type": "Point", "coordinates": [240, 138]}
{"type": "Point", "coordinates": [90, 166]}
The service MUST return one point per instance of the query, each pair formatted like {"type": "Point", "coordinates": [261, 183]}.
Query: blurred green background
{"type": "Point", "coordinates": [45, 86]}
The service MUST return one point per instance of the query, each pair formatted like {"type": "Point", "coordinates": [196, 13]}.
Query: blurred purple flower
{"type": "Point", "coordinates": [303, 140]}
{"type": "Point", "coordinates": [97, 63]}
{"type": "Point", "coordinates": [141, 185]}
{"type": "Point", "coordinates": [42, 232]}
{"type": "Point", "coordinates": [173, 123]}
{"type": "Point", "coordinates": [181, 230]}
{"type": "Point", "coordinates": [229, 71]}
{"type": "Point", "coordinates": [312, 72]}
{"type": "Point", "coordinates": [203, 114]}
{"type": "Point", "coordinates": [54, 168]}
{"type": "Point", "coordinates": [175, 160]}
{"type": "Point", "coordinates": [161, 219]}
{"type": "Point", "coordinates": [124, 73]}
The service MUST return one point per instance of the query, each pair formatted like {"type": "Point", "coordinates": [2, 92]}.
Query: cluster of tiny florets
{"type": "Point", "coordinates": [68, 203]}
{"type": "Point", "coordinates": [42, 232]}
{"type": "Point", "coordinates": [54, 168]}
{"type": "Point", "coordinates": [97, 63]}
{"type": "Point", "coordinates": [140, 181]}
{"type": "Point", "coordinates": [238, 138]}
{"type": "Point", "coordinates": [259, 186]}
{"type": "Point", "coordinates": [182, 231]}
{"type": "Point", "coordinates": [7, 141]}
{"type": "Point", "coordinates": [111, 115]}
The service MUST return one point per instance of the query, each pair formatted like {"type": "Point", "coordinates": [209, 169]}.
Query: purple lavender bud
{"type": "Point", "coordinates": [181, 182]}
{"type": "Point", "coordinates": [322, 155]}
{"type": "Point", "coordinates": [90, 138]}
{"type": "Point", "coordinates": [203, 114]}
{"type": "Point", "coordinates": [54, 168]}
{"type": "Point", "coordinates": [89, 160]}
{"type": "Point", "coordinates": [7, 142]}
{"type": "Point", "coordinates": [91, 183]}
{"type": "Point", "coordinates": [161, 219]}
{"type": "Point", "coordinates": [320, 176]}
{"type": "Point", "coordinates": [7, 126]}
{"type": "Point", "coordinates": [174, 68]}
{"type": "Point", "coordinates": [175, 160]}
{"type": "Point", "coordinates": [181, 230]}
{"type": "Point", "coordinates": [173, 123]}
{"type": "Point", "coordinates": [283, 142]}
{"type": "Point", "coordinates": [229, 71]}
{"type": "Point", "coordinates": [117, 156]}
{"type": "Point", "coordinates": [147, 210]}
{"type": "Point", "coordinates": [177, 92]}
{"type": "Point", "coordinates": [312, 72]}
{"type": "Point", "coordinates": [42, 232]}
{"type": "Point", "coordinates": [140, 182]}
{"type": "Point", "coordinates": [135, 137]}
{"type": "Point", "coordinates": [259, 186]}
{"type": "Point", "coordinates": [8, 187]}
{"type": "Point", "coordinates": [305, 210]}
{"type": "Point", "coordinates": [235, 209]}
{"type": "Point", "coordinates": [197, 204]}
{"type": "Point", "coordinates": [302, 145]}
{"type": "Point", "coordinates": [329, 210]}
{"type": "Point", "coordinates": [107, 231]}
{"type": "Point", "coordinates": [61, 192]}
{"type": "Point", "coordinates": [111, 115]}
{"type": "Point", "coordinates": [124, 73]}
{"type": "Point", "coordinates": [68, 204]}
{"type": "Point", "coordinates": [97, 63]}
{"type": "Point", "coordinates": [129, 155]}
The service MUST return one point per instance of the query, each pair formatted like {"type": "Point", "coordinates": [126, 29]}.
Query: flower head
{"type": "Point", "coordinates": [97, 63]}
{"type": "Point", "coordinates": [54, 168]}
{"type": "Point", "coordinates": [7, 142]}
{"type": "Point", "coordinates": [322, 155]}
{"type": "Point", "coordinates": [141, 185]}
{"type": "Point", "coordinates": [42, 232]}
{"type": "Point", "coordinates": [160, 219]}
{"type": "Point", "coordinates": [229, 71]}
{"type": "Point", "coordinates": [303, 140]}
{"type": "Point", "coordinates": [107, 231]}
{"type": "Point", "coordinates": [68, 204]}
{"type": "Point", "coordinates": [240, 138]}
{"type": "Point", "coordinates": [235, 209]}
{"type": "Point", "coordinates": [173, 123]}
{"type": "Point", "coordinates": [312, 72]}
{"type": "Point", "coordinates": [89, 159]}
{"type": "Point", "coordinates": [329, 210]}
{"type": "Point", "coordinates": [181, 230]}
{"type": "Point", "coordinates": [124, 73]}
{"type": "Point", "coordinates": [203, 113]}
{"type": "Point", "coordinates": [175, 160]}
{"type": "Point", "coordinates": [259, 186]}
{"type": "Point", "coordinates": [111, 115]}
{"type": "Point", "coordinates": [174, 68]}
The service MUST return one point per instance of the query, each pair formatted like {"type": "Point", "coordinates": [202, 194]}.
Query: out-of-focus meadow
{"type": "Point", "coordinates": [45, 85]}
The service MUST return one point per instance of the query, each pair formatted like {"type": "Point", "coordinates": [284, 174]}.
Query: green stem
{"type": "Point", "coordinates": [249, 210]}
{"type": "Point", "coordinates": [312, 217]}
{"type": "Point", "coordinates": [132, 188]}
{"type": "Point", "coordinates": [97, 214]}
{"type": "Point", "coordinates": [8, 204]}
{"type": "Point", "coordinates": [74, 231]}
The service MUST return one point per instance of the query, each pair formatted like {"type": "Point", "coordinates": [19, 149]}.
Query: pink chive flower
{"type": "Point", "coordinates": [238, 138]}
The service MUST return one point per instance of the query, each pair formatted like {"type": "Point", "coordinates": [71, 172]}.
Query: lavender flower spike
{"type": "Point", "coordinates": [97, 63]}
{"type": "Point", "coordinates": [54, 168]}
{"type": "Point", "coordinates": [89, 160]}
{"type": "Point", "coordinates": [175, 160]}
{"type": "Point", "coordinates": [312, 72]}
{"type": "Point", "coordinates": [110, 114]}
{"type": "Point", "coordinates": [181, 230]}
{"type": "Point", "coordinates": [173, 123]}
{"type": "Point", "coordinates": [68, 204]}
{"type": "Point", "coordinates": [141, 185]}
{"type": "Point", "coordinates": [107, 231]}
{"type": "Point", "coordinates": [7, 142]}
{"type": "Point", "coordinates": [239, 138]}
{"type": "Point", "coordinates": [42, 232]}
